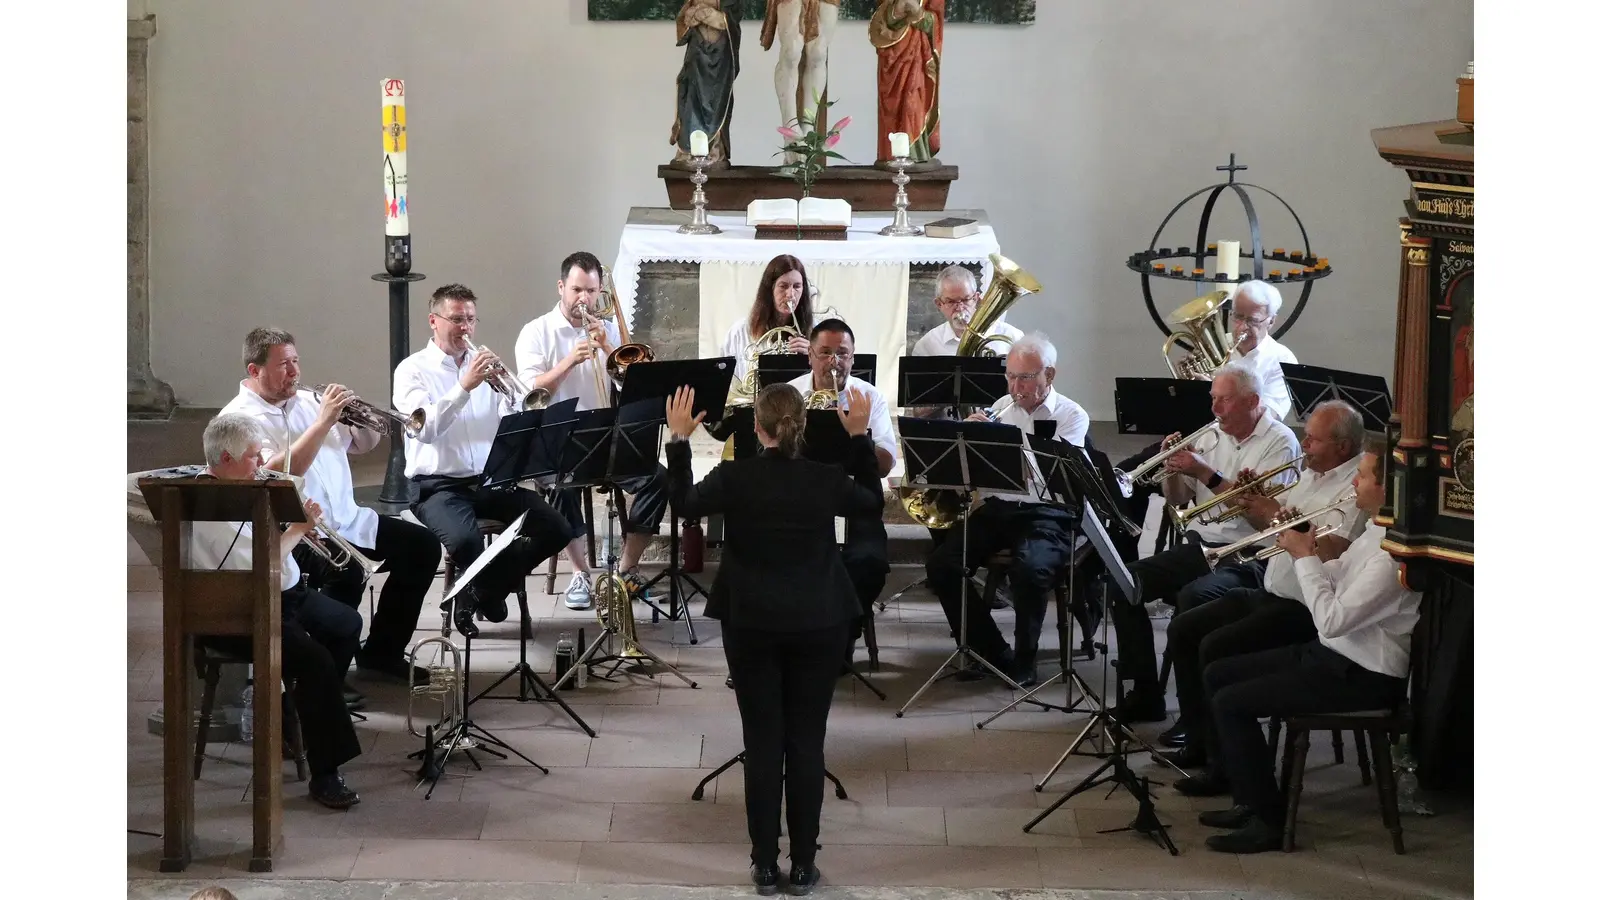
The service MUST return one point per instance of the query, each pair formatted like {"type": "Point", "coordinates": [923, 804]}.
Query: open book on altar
{"type": "Point", "coordinates": [790, 212]}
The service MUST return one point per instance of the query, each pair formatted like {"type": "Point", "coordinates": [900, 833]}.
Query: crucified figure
{"type": "Point", "coordinates": [804, 29]}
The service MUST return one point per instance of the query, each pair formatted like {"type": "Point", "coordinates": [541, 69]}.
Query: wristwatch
{"type": "Point", "coordinates": [1214, 480]}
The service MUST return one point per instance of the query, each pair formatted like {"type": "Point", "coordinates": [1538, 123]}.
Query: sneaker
{"type": "Point", "coordinates": [635, 583]}
{"type": "Point", "coordinates": [578, 591]}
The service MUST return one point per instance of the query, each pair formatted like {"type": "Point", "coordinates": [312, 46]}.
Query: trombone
{"type": "Point", "coordinates": [501, 379]}
{"type": "Point", "coordinates": [1206, 512]}
{"type": "Point", "coordinates": [359, 413]}
{"type": "Point", "coordinates": [1142, 474]}
{"type": "Point", "coordinates": [1283, 522]}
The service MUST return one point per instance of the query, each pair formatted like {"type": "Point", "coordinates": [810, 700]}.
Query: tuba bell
{"type": "Point", "coordinates": [1199, 323]}
{"type": "Point", "coordinates": [606, 307]}
{"type": "Point", "coordinates": [1010, 284]}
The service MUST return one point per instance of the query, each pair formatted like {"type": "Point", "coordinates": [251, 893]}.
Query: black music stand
{"type": "Point", "coordinates": [1146, 821]}
{"type": "Point", "coordinates": [963, 457]}
{"type": "Point", "coordinates": [781, 368]}
{"type": "Point", "coordinates": [523, 451]}
{"type": "Point", "coordinates": [1162, 405]}
{"type": "Point", "coordinates": [710, 379]}
{"type": "Point", "coordinates": [606, 445]}
{"type": "Point", "coordinates": [972, 381]}
{"type": "Point", "coordinates": [700, 789]}
{"type": "Point", "coordinates": [1310, 385]}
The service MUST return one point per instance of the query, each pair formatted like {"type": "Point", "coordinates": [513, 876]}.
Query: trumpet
{"type": "Point", "coordinates": [501, 379]}
{"type": "Point", "coordinates": [343, 552]}
{"type": "Point", "coordinates": [1191, 442]}
{"type": "Point", "coordinates": [1286, 520]}
{"type": "Point", "coordinates": [359, 413]}
{"type": "Point", "coordinates": [1206, 512]}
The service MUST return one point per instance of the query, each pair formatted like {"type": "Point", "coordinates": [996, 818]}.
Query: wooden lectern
{"type": "Point", "coordinates": [206, 603]}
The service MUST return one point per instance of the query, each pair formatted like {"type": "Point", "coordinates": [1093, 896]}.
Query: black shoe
{"type": "Point", "coordinates": [1176, 736]}
{"type": "Point", "coordinates": [332, 792]}
{"type": "Point", "coordinates": [354, 699]}
{"type": "Point", "coordinates": [728, 682]}
{"type": "Point", "coordinates": [1191, 757]}
{"type": "Point", "coordinates": [492, 610]}
{"type": "Point", "coordinates": [802, 878]}
{"type": "Point", "coordinates": [396, 668]}
{"type": "Point", "coordinates": [1141, 705]}
{"type": "Point", "coordinates": [1203, 785]}
{"type": "Point", "coordinates": [1256, 836]}
{"type": "Point", "coordinates": [1231, 818]}
{"type": "Point", "coordinates": [1024, 675]}
{"type": "Point", "coordinates": [466, 603]}
{"type": "Point", "coordinates": [765, 878]}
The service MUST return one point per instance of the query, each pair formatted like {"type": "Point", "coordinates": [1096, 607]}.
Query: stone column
{"type": "Point", "coordinates": [148, 396]}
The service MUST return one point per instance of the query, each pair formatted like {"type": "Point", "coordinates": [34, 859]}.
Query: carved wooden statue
{"type": "Point", "coordinates": [708, 30]}
{"type": "Point", "coordinates": [804, 30]}
{"type": "Point", "coordinates": [909, 37]}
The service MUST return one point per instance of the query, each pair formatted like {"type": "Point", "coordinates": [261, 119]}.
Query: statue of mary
{"type": "Point", "coordinates": [708, 30]}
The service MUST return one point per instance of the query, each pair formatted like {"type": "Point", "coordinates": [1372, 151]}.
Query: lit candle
{"type": "Point", "coordinates": [899, 144]}
{"type": "Point", "coordinates": [1227, 263]}
{"type": "Point", "coordinates": [396, 218]}
{"type": "Point", "coordinates": [699, 145]}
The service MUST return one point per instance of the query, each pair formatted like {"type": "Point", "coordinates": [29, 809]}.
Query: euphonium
{"type": "Point", "coordinates": [1284, 521]}
{"type": "Point", "coordinates": [606, 307]}
{"type": "Point", "coordinates": [1200, 323]}
{"type": "Point", "coordinates": [1190, 442]}
{"type": "Point", "coordinates": [359, 413]}
{"type": "Point", "coordinates": [1010, 284]}
{"type": "Point", "coordinates": [613, 606]}
{"type": "Point", "coordinates": [501, 379]}
{"type": "Point", "coordinates": [1206, 512]}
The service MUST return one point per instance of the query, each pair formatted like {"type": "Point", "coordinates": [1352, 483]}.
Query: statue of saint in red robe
{"type": "Point", "coordinates": [909, 36]}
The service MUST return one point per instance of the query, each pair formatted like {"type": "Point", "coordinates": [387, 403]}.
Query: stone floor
{"type": "Point", "coordinates": [935, 809]}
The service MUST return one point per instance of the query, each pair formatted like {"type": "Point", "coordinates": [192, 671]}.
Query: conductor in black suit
{"type": "Point", "coordinates": [785, 602]}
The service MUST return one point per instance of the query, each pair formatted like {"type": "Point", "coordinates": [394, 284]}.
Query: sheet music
{"type": "Point", "coordinates": [500, 542]}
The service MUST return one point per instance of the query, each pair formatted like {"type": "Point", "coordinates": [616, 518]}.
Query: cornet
{"type": "Point", "coordinates": [1206, 513]}
{"type": "Point", "coordinates": [1191, 442]}
{"type": "Point", "coordinates": [359, 413]}
{"type": "Point", "coordinates": [1281, 524]}
{"type": "Point", "coordinates": [501, 379]}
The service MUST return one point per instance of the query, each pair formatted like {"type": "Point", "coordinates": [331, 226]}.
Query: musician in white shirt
{"type": "Point", "coordinates": [1036, 533]}
{"type": "Point", "coordinates": [445, 460]}
{"type": "Point", "coordinates": [957, 299]}
{"type": "Point", "coordinates": [782, 298]}
{"type": "Point", "coordinates": [304, 431]}
{"type": "Point", "coordinates": [1360, 659]}
{"type": "Point", "coordinates": [319, 634]}
{"type": "Point", "coordinates": [1247, 439]}
{"type": "Point", "coordinates": [1265, 608]}
{"type": "Point", "coordinates": [1253, 313]}
{"type": "Point", "coordinates": [564, 351]}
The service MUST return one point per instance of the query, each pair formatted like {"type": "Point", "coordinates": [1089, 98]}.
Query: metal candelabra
{"type": "Point", "coordinates": [699, 225]}
{"type": "Point", "coordinates": [901, 227]}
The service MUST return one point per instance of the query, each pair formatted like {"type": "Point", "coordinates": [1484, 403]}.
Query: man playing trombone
{"type": "Point", "coordinates": [1244, 438]}
{"type": "Point", "coordinates": [462, 396]}
{"type": "Point", "coordinates": [304, 429]}
{"type": "Point", "coordinates": [564, 352]}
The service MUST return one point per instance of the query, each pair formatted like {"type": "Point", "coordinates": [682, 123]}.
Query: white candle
{"type": "Point", "coordinates": [899, 144]}
{"type": "Point", "coordinates": [396, 220]}
{"type": "Point", "coordinates": [1227, 262]}
{"type": "Point", "coordinates": [698, 144]}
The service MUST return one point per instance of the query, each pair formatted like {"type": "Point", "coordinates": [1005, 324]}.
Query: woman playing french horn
{"type": "Point", "coordinates": [779, 320]}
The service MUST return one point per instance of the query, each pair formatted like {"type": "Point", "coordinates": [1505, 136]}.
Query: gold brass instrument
{"type": "Point", "coordinates": [1150, 473]}
{"type": "Point", "coordinates": [1284, 521]}
{"type": "Point", "coordinates": [628, 353]}
{"type": "Point", "coordinates": [940, 508]}
{"type": "Point", "coordinates": [825, 398]}
{"type": "Point", "coordinates": [1200, 324]}
{"type": "Point", "coordinates": [1207, 513]}
{"type": "Point", "coordinates": [359, 413]}
{"type": "Point", "coordinates": [775, 340]}
{"type": "Point", "coordinates": [613, 607]}
{"type": "Point", "coordinates": [1010, 284]}
{"type": "Point", "coordinates": [502, 380]}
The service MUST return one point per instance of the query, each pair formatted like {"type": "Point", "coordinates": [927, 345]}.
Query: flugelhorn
{"type": "Point", "coordinates": [1206, 513]}
{"type": "Point", "coordinates": [1281, 523]}
{"type": "Point", "coordinates": [358, 413]}
{"type": "Point", "coordinates": [1190, 442]}
{"type": "Point", "coordinates": [501, 379]}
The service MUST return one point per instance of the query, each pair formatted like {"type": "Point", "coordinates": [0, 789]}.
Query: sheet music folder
{"type": "Point", "coordinates": [526, 444]}
{"type": "Point", "coordinates": [657, 381]}
{"type": "Point", "coordinates": [951, 380]}
{"type": "Point", "coordinates": [781, 368]}
{"type": "Point", "coordinates": [1162, 405]}
{"type": "Point", "coordinates": [962, 456]}
{"type": "Point", "coordinates": [500, 542]}
{"type": "Point", "coordinates": [610, 444]}
{"type": "Point", "coordinates": [1310, 385]}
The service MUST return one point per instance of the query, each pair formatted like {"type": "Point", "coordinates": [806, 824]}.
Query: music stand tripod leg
{"type": "Point", "coordinates": [700, 789]}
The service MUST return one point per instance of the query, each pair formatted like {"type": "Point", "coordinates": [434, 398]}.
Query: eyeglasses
{"type": "Point", "coordinates": [458, 321]}
{"type": "Point", "coordinates": [829, 353]}
{"type": "Point", "coordinates": [953, 301]}
{"type": "Point", "coordinates": [1256, 322]}
{"type": "Point", "coordinates": [1024, 377]}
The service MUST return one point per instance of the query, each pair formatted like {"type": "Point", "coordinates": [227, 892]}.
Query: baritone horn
{"type": "Point", "coordinates": [358, 413]}
{"type": "Point", "coordinates": [1010, 284]}
{"type": "Point", "coordinates": [1191, 442]}
{"type": "Point", "coordinates": [1207, 514]}
{"type": "Point", "coordinates": [1199, 323]}
{"type": "Point", "coordinates": [501, 379]}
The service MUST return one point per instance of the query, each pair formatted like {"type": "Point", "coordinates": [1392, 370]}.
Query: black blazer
{"type": "Point", "coordinates": [781, 569]}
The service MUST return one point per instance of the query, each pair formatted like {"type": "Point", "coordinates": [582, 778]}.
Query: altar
{"type": "Point", "coordinates": [681, 293]}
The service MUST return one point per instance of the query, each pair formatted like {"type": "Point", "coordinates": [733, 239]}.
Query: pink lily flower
{"type": "Point", "coordinates": [842, 123]}
{"type": "Point", "coordinates": [832, 139]}
{"type": "Point", "coordinates": [788, 132]}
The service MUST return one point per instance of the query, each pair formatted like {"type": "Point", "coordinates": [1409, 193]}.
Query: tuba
{"type": "Point", "coordinates": [1199, 324]}
{"type": "Point", "coordinates": [606, 307]}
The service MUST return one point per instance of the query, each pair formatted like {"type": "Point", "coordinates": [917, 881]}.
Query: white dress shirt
{"type": "Point", "coordinates": [547, 340]}
{"type": "Point", "coordinates": [328, 480]}
{"type": "Point", "coordinates": [1072, 424]}
{"type": "Point", "coordinates": [880, 423]}
{"type": "Point", "coordinates": [229, 545]}
{"type": "Point", "coordinates": [734, 344]}
{"type": "Point", "coordinates": [460, 426]}
{"type": "Point", "coordinates": [1268, 446]}
{"type": "Point", "coordinates": [1362, 611]}
{"type": "Point", "coordinates": [1266, 357]}
{"type": "Point", "coordinates": [1312, 492]}
{"type": "Point", "coordinates": [942, 341]}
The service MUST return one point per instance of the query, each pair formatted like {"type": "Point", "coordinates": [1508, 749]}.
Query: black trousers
{"type": "Point", "coordinates": [320, 636]}
{"type": "Point", "coordinates": [1285, 681]}
{"type": "Point", "coordinates": [645, 513]}
{"type": "Point", "coordinates": [784, 683]}
{"type": "Point", "coordinates": [1037, 537]}
{"type": "Point", "coordinates": [866, 560]}
{"type": "Point", "coordinates": [1241, 621]}
{"type": "Point", "coordinates": [410, 554]}
{"type": "Point", "coordinates": [1180, 576]}
{"type": "Point", "coordinates": [451, 507]}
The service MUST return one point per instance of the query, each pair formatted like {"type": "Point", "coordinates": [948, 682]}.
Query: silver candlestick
{"type": "Point", "coordinates": [698, 224]}
{"type": "Point", "coordinates": [901, 226]}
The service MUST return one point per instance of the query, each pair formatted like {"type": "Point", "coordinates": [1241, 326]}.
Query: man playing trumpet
{"type": "Point", "coordinates": [304, 430]}
{"type": "Point", "coordinates": [1247, 439]}
{"type": "Point", "coordinates": [564, 352]}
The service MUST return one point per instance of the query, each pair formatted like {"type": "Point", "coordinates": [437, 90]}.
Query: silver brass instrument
{"type": "Point", "coordinates": [447, 685]}
{"type": "Point", "coordinates": [1282, 523]}
{"type": "Point", "coordinates": [1200, 324]}
{"type": "Point", "coordinates": [502, 380]}
{"type": "Point", "coordinates": [343, 553]}
{"type": "Point", "coordinates": [359, 413]}
{"type": "Point", "coordinates": [1207, 512]}
{"type": "Point", "coordinates": [1191, 442]}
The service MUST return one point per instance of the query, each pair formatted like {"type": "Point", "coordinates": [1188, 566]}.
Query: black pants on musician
{"type": "Point", "coordinates": [866, 560]}
{"type": "Point", "coordinates": [1037, 536]}
{"type": "Point", "coordinates": [1181, 577]}
{"type": "Point", "coordinates": [451, 508]}
{"type": "Point", "coordinates": [784, 684]}
{"type": "Point", "coordinates": [1302, 679]}
{"type": "Point", "coordinates": [410, 554]}
{"type": "Point", "coordinates": [645, 512]}
{"type": "Point", "coordinates": [320, 637]}
{"type": "Point", "coordinates": [1240, 621]}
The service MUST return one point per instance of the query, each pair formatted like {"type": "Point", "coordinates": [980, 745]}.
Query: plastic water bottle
{"type": "Point", "coordinates": [247, 712]}
{"type": "Point", "coordinates": [564, 655]}
{"type": "Point", "coordinates": [1408, 795]}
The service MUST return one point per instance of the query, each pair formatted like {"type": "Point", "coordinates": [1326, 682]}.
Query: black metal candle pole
{"type": "Point", "coordinates": [396, 494]}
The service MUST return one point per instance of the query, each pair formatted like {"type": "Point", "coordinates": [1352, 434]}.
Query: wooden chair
{"type": "Point", "coordinates": [1385, 727]}
{"type": "Point", "coordinates": [488, 528]}
{"type": "Point", "coordinates": [208, 663]}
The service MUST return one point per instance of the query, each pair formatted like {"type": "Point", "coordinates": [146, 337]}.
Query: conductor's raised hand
{"type": "Point", "coordinates": [855, 419]}
{"type": "Point", "coordinates": [681, 417]}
